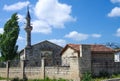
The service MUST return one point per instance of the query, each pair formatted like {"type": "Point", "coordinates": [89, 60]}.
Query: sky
{"type": "Point", "coordinates": [65, 21]}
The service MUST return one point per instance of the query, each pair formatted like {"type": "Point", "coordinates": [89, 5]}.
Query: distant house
{"type": "Point", "coordinates": [94, 58]}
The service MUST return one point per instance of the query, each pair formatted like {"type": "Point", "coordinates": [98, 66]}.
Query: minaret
{"type": "Point", "coordinates": [28, 29]}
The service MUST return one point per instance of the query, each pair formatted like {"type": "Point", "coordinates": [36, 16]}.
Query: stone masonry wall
{"type": "Point", "coordinates": [85, 59]}
{"type": "Point", "coordinates": [33, 73]}
{"type": "Point", "coordinates": [3, 72]}
{"type": "Point", "coordinates": [104, 63]}
{"type": "Point", "coordinates": [36, 52]}
{"type": "Point", "coordinates": [57, 72]}
{"type": "Point", "coordinates": [41, 72]}
{"type": "Point", "coordinates": [103, 67]}
{"type": "Point", "coordinates": [15, 72]}
{"type": "Point", "coordinates": [73, 72]}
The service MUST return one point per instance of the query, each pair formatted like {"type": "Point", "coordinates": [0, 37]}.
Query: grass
{"type": "Point", "coordinates": [87, 77]}
{"type": "Point", "coordinates": [46, 79]}
{"type": "Point", "coordinates": [1, 78]}
{"type": "Point", "coordinates": [104, 78]}
{"type": "Point", "coordinates": [99, 79]}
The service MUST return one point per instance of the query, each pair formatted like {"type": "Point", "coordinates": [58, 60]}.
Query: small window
{"type": "Point", "coordinates": [117, 57]}
{"type": "Point", "coordinates": [46, 53]}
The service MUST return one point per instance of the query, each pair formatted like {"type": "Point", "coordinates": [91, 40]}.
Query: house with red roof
{"type": "Point", "coordinates": [93, 58]}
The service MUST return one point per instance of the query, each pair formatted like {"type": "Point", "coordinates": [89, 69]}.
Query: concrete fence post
{"type": "Point", "coordinates": [7, 69]}
{"type": "Point", "coordinates": [74, 69]}
{"type": "Point", "coordinates": [23, 69]}
{"type": "Point", "coordinates": [43, 67]}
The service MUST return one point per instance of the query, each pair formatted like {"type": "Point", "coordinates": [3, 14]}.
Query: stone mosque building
{"type": "Point", "coordinates": [91, 57]}
{"type": "Point", "coordinates": [34, 53]}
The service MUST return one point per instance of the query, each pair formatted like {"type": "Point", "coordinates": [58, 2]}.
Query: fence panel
{"type": "Point", "coordinates": [14, 63]}
{"type": "Point", "coordinates": [2, 64]}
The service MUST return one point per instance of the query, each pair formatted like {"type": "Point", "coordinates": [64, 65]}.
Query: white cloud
{"type": "Point", "coordinates": [1, 30]}
{"type": "Point", "coordinates": [115, 1]}
{"type": "Point", "coordinates": [20, 38]}
{"type": "Point", "coordinates": [77, 36]}
{"type": "Point", "coordinates": [16, 6]}
{"type": "Point", "coordinates": [115, 12]}
{"type": "Point", "coordinates": [21, 18]}
{"type": "Point", "coordinates": [53, 13]}
{"type": "Point", "coordinates": [96, 35]}
{"type": "Point", "coordinates": [81, 36]}
{"type": "Point", "coordinates": [118, 32]}
{"type": "Point", "coordinates": [41, 27]}
{"type": "Point", "coordinates": [60, 42]}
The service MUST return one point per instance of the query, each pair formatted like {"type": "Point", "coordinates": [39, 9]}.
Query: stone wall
{"type": "Point", "coordinates": [42, 72]}
{"type": "Point", "coordinates": [72, 72]}
{"type": "Point", "coordinates": [66, 56]}
{"type": "Point", "coordinates": [37, 51]}
{"type": "Point", "coordinates": [104, 62]}
{"type": "Point", "coordinates": [78, 65]}
{"type": "Point", "coordinates": [103, 67]}
{"type": "Point", "coordinates": [15, 72]}
{"type": "Point", "coordinates": [57, 72]}
{"type": "Point", "coordinates": [3, 72]}
{"type": "Point", "coordinates": [85, 59]}
{"type": "Point", "coordinates": [33, 73]}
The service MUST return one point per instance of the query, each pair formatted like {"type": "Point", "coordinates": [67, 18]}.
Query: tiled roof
{"type": "Point", "coordinates": [94, 48]}
{"type": "Point", "coordinates": [101, 48]}
{"type": "Point", "coordinates": [74, 46]}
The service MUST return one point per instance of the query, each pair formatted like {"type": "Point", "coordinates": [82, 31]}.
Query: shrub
{"type": "Point", "coordinates": [46, 79]}
{"type": "Point", "coordinates": [17, 79]}
{"type": "Point", "coordinates": [61, 79]}
{"type": "Point", "coordinates": [104, 74]}
{"type": "Point", "coordinates": [2, 78]}
{"type": "Point", "coordinates": [87, 77]}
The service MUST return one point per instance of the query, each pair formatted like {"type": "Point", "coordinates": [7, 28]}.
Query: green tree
{"type": "Point", "coordinates": [8, 39]}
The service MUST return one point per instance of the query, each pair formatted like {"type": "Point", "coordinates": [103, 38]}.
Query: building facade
{"type": "Point", "coordinates": [33, 53]}
{"type": "Point", "coordinates": [92, 58]}
{"type": "Point", "coordinates": [46, 49]}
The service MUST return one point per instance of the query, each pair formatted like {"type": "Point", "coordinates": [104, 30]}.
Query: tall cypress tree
{"type": "Point", "coordinates": [8, 39]}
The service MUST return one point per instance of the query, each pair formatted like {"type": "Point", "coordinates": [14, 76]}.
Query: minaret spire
{"type": "Point", "coordinates": [28, 28]}
{"type": "Point", "coordinates": [28, 14]}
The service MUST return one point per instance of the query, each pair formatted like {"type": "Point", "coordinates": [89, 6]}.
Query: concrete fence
{"type": "Point", "coordinates": [66, 72]}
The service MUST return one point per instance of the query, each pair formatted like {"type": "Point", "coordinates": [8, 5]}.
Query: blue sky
{"type": "Point", "coordinates": [66, 21]}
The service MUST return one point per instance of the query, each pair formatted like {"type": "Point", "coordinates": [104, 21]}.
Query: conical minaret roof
{"type": "Point", "coordinates": [28, 14]}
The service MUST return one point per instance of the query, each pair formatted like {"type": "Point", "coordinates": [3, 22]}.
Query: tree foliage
{"type": "Point", "coordinates": [8, 39]}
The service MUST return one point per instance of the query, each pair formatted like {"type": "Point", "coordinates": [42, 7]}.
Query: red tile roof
{"type": "Point", "coordinates": [101, 48]}
{"type": "Point", "coordinates": [75, 46]}
{"type": "Point", "coordinates": [94, 48]}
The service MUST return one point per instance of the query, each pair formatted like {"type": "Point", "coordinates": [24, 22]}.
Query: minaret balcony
{"type": "Point", "coordinates": [28, 28]}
